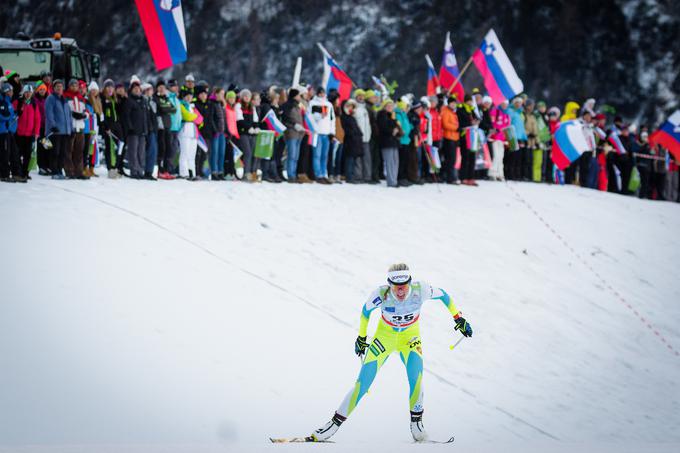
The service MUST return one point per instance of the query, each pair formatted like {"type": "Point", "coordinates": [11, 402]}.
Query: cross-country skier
{"type": "Point", "coordinates": [398, 331]}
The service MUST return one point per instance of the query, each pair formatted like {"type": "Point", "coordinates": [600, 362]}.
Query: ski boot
{"type": "Point", "coordinates": [326, 431]}
{"type": "Point", "coordinates": [417, 429]}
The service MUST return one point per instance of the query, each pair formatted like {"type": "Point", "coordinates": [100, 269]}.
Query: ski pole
{"type": "Point", "coordinates": [453, 346]}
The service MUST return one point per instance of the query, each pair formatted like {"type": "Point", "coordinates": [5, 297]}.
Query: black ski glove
{"type": "Point", "coordinates": [463, 326]}
{"type": "Point", "coordinates": [360, 346]}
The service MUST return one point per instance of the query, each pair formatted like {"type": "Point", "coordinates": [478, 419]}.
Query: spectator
{"type": "Point", "coordinates": [165, 111]}
{"type": "Point", "coordinates": [324, 117]}
{"type": "Point", "coordinates": [9, 159]}
{"type": "Point", "coordinates": [389, 134]}
{"type": "Point", "coordinates": [188, 136]}
{"type": "Point", "coordinates": [353, 146]}
{"type": "Point", "coordinates": [362, 164]}
{"type": "Point", "coordinates": [500, 121]}
{"type": "Point", "coordinates": [151, 149]}
{"type": "Point", "coordinates": [111, 128]}
{"type": "Point", "coordinates": [404, 142]}
{"type": "Point", "coordinates": [247, 122]}
{"type": "Point", "coordinates": [451, 136]}
{"type": "Point", "coordinates": [292, 119]}
{"type": "Point", "coordinates": [218, 140]}
{"type": "Point", "coordinates": [58, 125]}
{"type": "Point", "coordinates": [43, 155]}
{"type": "Point", "coordinates": [73, 161]}
{"type": "Point", "coordinates": [136, 122]}
{"type": "Point", "coordinates": [28, 129]}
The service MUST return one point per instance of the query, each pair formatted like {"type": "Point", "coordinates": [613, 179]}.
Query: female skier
{"type": "Point", "coordinates": [398, 331]}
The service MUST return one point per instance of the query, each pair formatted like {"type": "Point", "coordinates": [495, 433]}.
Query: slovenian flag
{"type": "Point", "coordinates": [310, 126]}
{"type": "Point", "coordinates": [569, 142]}
{"type": "Point", "coordinates": [334, 78]}
{"type": "Point", "coordinates": [500, 78]}
{"type": "Point", "coordinates": [201, 141]}
{"type": "Point", "coordinates": [668, 135]}
{"type": "Point", "coordinates": [615, 141]}
{"type": "Point", "coordinates": [432, 80]}
{"type": "Point", "coordinates": [164, 28]}
{"type": "Point", "coordinates": [273, 123]}
{"type": "Point", "coordinates": [448, 73]}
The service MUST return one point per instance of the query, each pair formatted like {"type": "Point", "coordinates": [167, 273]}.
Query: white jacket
{"type": "Point", "coordinates": [364, 121]}
{"type": "Point", "coordinates": [325, 121]}
{"type": "Point", "coordinates": [77, 106]}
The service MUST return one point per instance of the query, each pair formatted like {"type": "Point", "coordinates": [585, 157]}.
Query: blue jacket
{"type": "Point", "coordinates": [175, 118]}
{"type": "Point", "coordinates": [517, 121]}
{"type": "Point", "coordinates": [8, 120]}
{"type": "Point", "coordinates": [58, 116]}
{"type": "Point", "coordinates": [406, 126]}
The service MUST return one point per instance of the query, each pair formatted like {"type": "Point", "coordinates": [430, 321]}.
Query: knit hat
{"type": "Point", "coordinates": [200, 89]}
{"type": "Point", "coordinates": [172, 83]}
{"type": "Point", "coordinates": [189, 78]}
{"type": "Point", "coordinates": [291, 92]}
{"type": "Point", "coordinates": [487, 100]}
{"type": "Point", "coordinates": [57, 82]}
{"type": "Point", "coordinates": [453, 99]}
{"type": "Point", "coordinates": [28, 88]}
{"type": "Point", "coordinates": [370, 93]}
{"type": "Point", "coordinates": [385, 102]}
{"type": "Point", "coordinates": [134, 79]}
{"type": "Point", "coordinates": [40, 87]}
{"type": "Point", "coordinates": [145, 86]}
{"type": "Point", "coordinates": [402, 105]}
{"type": "Point", "coordinates": [73, 82]}
{"type": "Point", "coordinates": [475, 90]}
{"type": "Point", "coordinates": [245, 92]}
{"type": "Point", "coordinates": [540, 104]}
{"type": "Point", "coordinates": [231, 95]}
{"type": "Point", "coordinates": [600, 116]}
{"type": "Point", "coordinates": [93, 86]}
{"type": "Point", "coordinates": [6, 88]}
{"type": "Point", "coordinates": [109, 83]}
{"type": "Point", "coordinates": [359, 92]}
{"type": "Point", "coordinates": [416, 105]}
{"type": "Point", "coordinates": [160, 82]}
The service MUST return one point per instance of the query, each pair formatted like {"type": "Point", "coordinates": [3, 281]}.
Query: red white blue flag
{"type": "Point", "coordinates": [334, 78]}
{"type": "Point", "coordinates": [273, 122]}
{"type": "Point", "coordinates": [448, 73]}
{"type": "Point", "coordinates": [432, 79]}
{"type": "Point", "coordinates": [569, 142]}
{"type": "Point", "coordinates": [164, 28]}
{"type": "Point", "coordinates": [668, 135]}
{"type": "Point", "coordinates": [615, 141]}
{"type": "Point", "coordinates": [500, 78]}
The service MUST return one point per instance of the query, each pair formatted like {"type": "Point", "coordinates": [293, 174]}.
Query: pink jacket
{"type": "Point", "coordinates": [499, 121]}
{"type": "Point", "coordinates": [28, 124]}
{"type": "Point", "coordinates": [231, 121]}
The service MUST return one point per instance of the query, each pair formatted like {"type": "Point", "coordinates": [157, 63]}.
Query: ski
{"type": "Point", "coordinates": [288, 440]}
{"type": "Point", "coordinates": [436, 441]}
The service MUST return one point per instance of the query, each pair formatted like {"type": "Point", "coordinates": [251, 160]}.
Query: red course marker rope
{"type": "Point", "coordinates": [583, 261]}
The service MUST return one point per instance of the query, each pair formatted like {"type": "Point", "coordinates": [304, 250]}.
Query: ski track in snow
{"type": "Point", "coordinates": [620, 401]}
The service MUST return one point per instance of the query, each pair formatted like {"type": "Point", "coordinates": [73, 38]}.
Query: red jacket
{"type": "Point", "coordinates": [437, 132]}
{"type": "Point", "coordinates": [28, 124]}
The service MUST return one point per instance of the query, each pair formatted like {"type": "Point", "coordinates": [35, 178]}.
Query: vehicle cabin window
{"type": "Point", "coordinates": [77, 68]}
{"type": "Point", "coordinates": [26, 62]}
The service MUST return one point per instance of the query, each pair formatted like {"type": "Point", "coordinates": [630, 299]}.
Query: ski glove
{"type": "Point", "coordinates": [360, 346]}
{"type": "Point", "coordinates": [463, 326]}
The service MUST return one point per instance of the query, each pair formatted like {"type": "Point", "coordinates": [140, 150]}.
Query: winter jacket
{"type": "Point", "coordinates": [206, 109]}
{"type": "Point", "coordinates": [57, 115]}
{"type": "Point", "coordinates": [246, 119]}
{"type": "Point", "coordinates": [230, 116]}
{"type": "Point", "coordinates": [323, 114]}
{"type": "Point", "coordinates": [450, 126]}
{"type": "Point", "coordinates": [531, 129]}
{"type": "Point", "coordinates": [437, 128]}
{"type": "Point", "coordinates": [659, 166]}
{"type": "Point", "coordinates": [189, 118]}
{"type": "Point", "coordinates": [354, 137]}
{"type": "Point", "coordinates": [387, 123]}
{"type": "Point", "coordinates": [571, 109]}
{"type": "Point", "coordinates": [176, 116]}
{"type": "Point", "coordinates": [136, 116]}
{"type": "Point", "coordinates": [28, 124]}
{"type": "Point", "coordinates": [339, 131]}
{"type": "Point", "coordinates": [152, 112]}
{"type": "Point", "coordinates": [7, 117]}
{"type": "Point", "coordinates": [40, 103]}
{"type": "Point", "coordinates": [165, 110]}
{"type": "Point", "coordinates": [518, 122]}
{"type": "Point", "coordinates": [485, 123]}
{"type": "Point", "coordinates": [78, 110]}
{"type": "Point", "coordinates": [499, 121]}
{"type": "Point", "coordinates": [219, 119]}
{"type": "Point", "coordinates": [292, 115]}
{"type": "Point", "coordinates": [406, 127]}
{"type": "Point", "coordinates": [111, 121]}
{"type": "Point", "coordinates": [363, 121]}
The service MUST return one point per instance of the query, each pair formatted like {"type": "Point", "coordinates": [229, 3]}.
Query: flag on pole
{"type": "Point", "coordinates": [433, 87]}
{"type": "Point", "coordinates": [164, 28]}
{"type": "Point", "coordinates": [273, 123]}
{"type": "Point", "coordinates": [448, 73]}
{"type": "Point", "coordinates": [379, 83]}
{"type": "Point", "coordinates": [569, 142]}
{"type": "Point", "coordinates": [500, 78]}
{"type": "Point", "coordinates": [334, 78]}
{"type": "Point", "coordinates": [668, 135]}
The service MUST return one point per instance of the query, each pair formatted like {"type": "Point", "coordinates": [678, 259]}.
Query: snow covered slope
{"type": "Point", "coordinates": [197, 317]}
